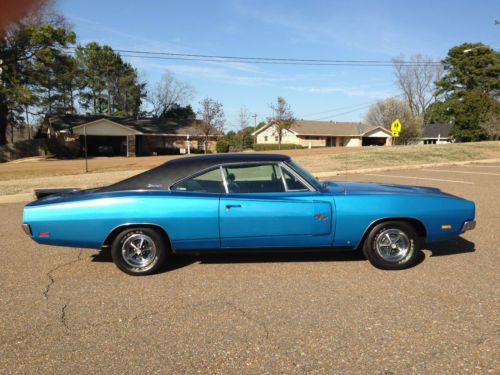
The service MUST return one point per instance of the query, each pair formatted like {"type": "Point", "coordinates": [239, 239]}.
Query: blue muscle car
{"type": "Point", "coordinates": [238, 202]}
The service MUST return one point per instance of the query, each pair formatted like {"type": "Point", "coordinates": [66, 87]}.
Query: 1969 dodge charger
{"type": "Point", "coordinates": [244, 202]}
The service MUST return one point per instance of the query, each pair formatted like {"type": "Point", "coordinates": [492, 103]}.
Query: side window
{"type": "Point", "coordinates": [293, 183]}
{"type": "Point", "coordinates": [209, 182]}
{"type": "Point", "coordinates": [264, 178]}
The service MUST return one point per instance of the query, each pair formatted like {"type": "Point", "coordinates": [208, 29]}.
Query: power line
{"type": "Point", "coordinates": [261, 60]}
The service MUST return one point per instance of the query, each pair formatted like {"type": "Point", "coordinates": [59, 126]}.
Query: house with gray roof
{"type": "Point", "coordinates": [125, 136]}
{"type": "Point", "coordinates": [436, 134]}
{"type": "Point", "coordinates": [325, 134]}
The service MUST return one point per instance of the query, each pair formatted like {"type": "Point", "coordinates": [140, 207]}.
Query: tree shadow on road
{"type": "Point", "coordinates": [453, 246]}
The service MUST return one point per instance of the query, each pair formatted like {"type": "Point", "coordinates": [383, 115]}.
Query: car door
{"type": "Point", "coordinates": [193, 212]}
{"type": "Point", "coordinates": [260, 211]}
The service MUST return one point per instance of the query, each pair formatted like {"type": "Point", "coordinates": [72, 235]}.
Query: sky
{"type": "Point", "coordinates": [341, 30]}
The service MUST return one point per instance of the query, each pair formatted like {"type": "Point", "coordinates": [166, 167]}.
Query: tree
{"type": "Point", "coordinates": [212, 119]}
{"type": "Point", "coordinates": [470, 88]}
{"type": "Point", "coordinates": [282, 118]}
{"type": "Point", "coordinates": [177, 112]}
{"type": "Point", "coordinates": [416, 81]}
{"type": "Point", "coordinates": [384, 112]}
{"type": "Point", "coordinates": [108, 84]}
{"type": "Point", "coordinates": [491, 125]}
{"type": "Point", "coordinates": [470, 66]}
{"type": "Point", "coordinates": [38, 34]}
{"type": "Point", "coordinates": [168, 94]}
{"type": "Point", "coordinates": [473, 109]}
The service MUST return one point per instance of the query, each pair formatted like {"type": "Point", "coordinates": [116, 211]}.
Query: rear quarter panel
{"type": "Point", "coordinates": [86, 222]}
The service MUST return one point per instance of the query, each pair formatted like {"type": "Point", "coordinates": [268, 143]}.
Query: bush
{"type": "Point", "coordinates": [222, 146]}
{"type": "Point", "coordinates": [269, 147]}
{"type": "Point", "coordinates": [64, 149]}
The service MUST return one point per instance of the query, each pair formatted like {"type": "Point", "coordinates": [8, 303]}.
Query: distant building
{"type": "Point", "coordinates": [325, 134]}
{"type": "Point", "coordinates": [436, 134]}
{"type": "Point", "coordinates": [120, 136]}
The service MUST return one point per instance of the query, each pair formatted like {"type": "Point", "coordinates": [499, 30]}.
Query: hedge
{"type": "Point", "coordinates": [269, 147]}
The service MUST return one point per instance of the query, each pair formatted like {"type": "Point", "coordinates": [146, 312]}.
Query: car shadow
{"type": "Point", "coordinates": [184, 260]}
{"type": "Point", "coordinates": [452, 246]}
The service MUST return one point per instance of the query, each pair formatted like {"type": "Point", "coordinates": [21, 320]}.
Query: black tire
{"type": "Point", "coordinates": [152, 259]}
{"type": "Point", "coordinates": [377, 246]}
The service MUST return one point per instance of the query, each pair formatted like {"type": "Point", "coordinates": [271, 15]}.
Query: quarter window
{"type": "Point", "coordinates": [209, 182]}
{"type": "Point", "coordinates": [264, 178]}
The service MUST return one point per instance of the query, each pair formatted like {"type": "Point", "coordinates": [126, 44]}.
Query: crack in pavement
{"type": "Point", "coordinates": [53, 270]}
{"type": "Point", "coordinates": [63, 318]}
{"type": "Point", "coordinates": [247, 316]}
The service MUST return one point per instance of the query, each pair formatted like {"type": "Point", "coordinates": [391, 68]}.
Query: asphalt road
{"type": "Point", "coordinates": [72, 311]}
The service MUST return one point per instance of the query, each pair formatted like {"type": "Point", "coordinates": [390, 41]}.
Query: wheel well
{"type": "Point", "coordinates": [112, 235]}
{"type": "Point", "coordinates": [416, 224]}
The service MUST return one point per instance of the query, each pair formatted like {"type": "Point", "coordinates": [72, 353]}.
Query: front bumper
{"type": "Point", "coordinates": [27, 229]}
{"type": "Point", "coordinates": [468, 225]}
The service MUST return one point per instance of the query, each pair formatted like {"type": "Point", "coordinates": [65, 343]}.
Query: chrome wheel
{"type": "Point", "coordinates": [139, 250]}
{"type": "Point", "coordinates": [392, 245]}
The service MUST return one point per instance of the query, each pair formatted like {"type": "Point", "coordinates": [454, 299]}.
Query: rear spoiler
{"type": "Point", "coordinates": [40, 193]}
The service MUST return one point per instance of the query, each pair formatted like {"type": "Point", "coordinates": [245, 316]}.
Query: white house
{"type": "Point", "coordinates": [325, 134]}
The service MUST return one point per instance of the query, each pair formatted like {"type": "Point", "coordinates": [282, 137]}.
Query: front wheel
{"type": "Point", "coordinates": [392, 245]}
{"type": "Point", "coordinates": [139, 251]}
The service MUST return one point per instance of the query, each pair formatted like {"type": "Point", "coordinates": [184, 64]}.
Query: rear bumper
{"type": "Point", "coordinates": [27, 229]}
{"type": "Point", "coordinates": [468, 225]}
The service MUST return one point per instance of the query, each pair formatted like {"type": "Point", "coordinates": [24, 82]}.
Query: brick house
{"type": "Point", "coordinates": [121, 136]}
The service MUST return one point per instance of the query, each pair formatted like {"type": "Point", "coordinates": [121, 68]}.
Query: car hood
{"type": "Point", "coordinates": [364, 188]}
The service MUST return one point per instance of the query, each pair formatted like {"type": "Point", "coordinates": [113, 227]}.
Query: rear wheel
{"type": "Point", "coordinates": [139, 251]}
{"type": "Point", "coordinates": [392, 245]}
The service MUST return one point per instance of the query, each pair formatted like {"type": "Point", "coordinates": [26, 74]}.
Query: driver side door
{"type": "Point", "coordinates": [260, 211]}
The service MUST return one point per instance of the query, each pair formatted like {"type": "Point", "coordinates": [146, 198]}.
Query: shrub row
{"type": "Point", "coordinates": [269, 147]}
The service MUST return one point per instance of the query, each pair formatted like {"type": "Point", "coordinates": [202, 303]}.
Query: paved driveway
{"type": "Point", "coordinates": [71, 311]}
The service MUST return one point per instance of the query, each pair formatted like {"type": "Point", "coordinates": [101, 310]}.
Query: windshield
{"type": "Point", "coordinates": [306, 175]}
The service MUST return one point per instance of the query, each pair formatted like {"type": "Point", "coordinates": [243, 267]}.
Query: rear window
{"type": "Point", "coordinates": [209, 182]}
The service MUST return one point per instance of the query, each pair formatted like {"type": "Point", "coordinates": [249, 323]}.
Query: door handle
{"type": "Point", "coordinates": [229, 206]}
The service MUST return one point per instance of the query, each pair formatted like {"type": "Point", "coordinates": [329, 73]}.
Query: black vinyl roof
{"type": "Point", "coordinates": [163, 176]}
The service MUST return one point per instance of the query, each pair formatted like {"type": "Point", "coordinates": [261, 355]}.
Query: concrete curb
{"type": "Point", "coordinates": [26, 197]}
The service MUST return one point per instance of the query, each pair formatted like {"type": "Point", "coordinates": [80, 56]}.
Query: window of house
{"type": "Point", "coordinates": [262, 178]}
{"type": "Point", "coordinates": [265, 138]}
{"type": "Point", "coordinates": [209, 182]}
{"type": "Point", "coordinates": [276, 138]}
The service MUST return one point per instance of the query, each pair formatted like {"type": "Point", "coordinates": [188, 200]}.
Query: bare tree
{"type": "Point", "coordinates": [491, 125]}
{"type": "Point", "coordinates": [243, 117]}
{"type": "Point", "coordinates": [168, 93]}
{"type": "Point", "coordinates": [282, 118]}
{"type": "Point", "coordinates": [212, 119]}
{"type": "Point", "coordinates": [384, 112]}
{"type": "Point", "coordinates": [416, 80]}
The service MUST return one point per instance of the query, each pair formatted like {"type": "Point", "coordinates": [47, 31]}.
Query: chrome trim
{"type": "Point", "coordinates": [27, 229]}
{"type": "Point", "coordinates": [224, 181]}
{"type": "Point", "coordinates": [282, 177]}
{"type": "Point", "coordinates": [468, 225]}
{"type": "Point", "coordinates": [300, 178]}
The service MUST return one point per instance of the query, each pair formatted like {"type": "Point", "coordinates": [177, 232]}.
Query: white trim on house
{"type": "Point", "coordinates": [97, 122]}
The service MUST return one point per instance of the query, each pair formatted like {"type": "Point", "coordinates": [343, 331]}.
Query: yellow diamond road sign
{"type": "Point", "coordinates": [396, 128]}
